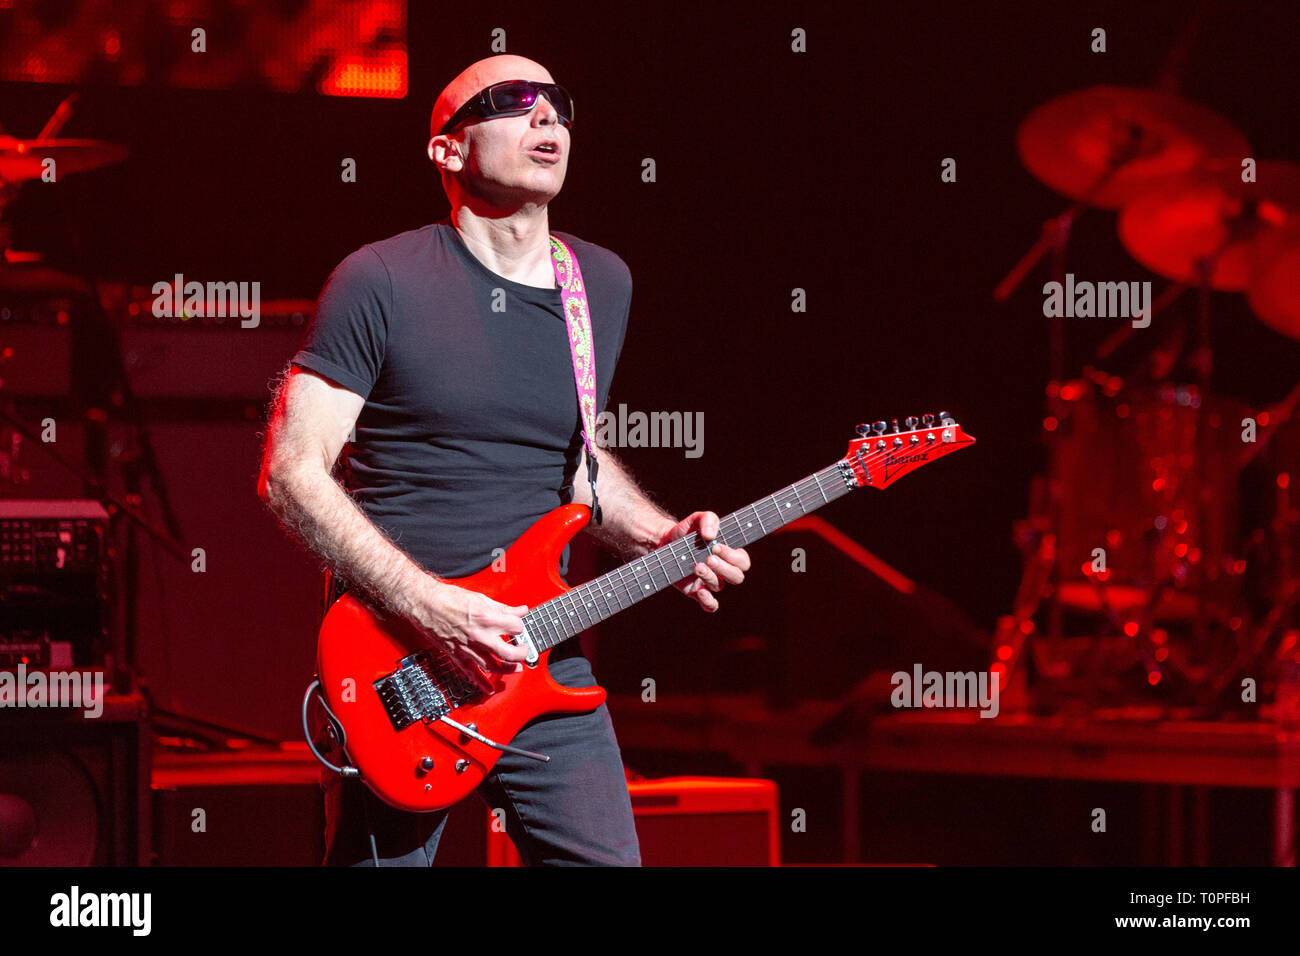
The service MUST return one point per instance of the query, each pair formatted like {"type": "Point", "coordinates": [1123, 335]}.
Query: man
{"type": "Point", "coordinates": [466, 431]}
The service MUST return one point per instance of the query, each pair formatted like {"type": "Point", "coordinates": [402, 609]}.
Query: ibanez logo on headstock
{"type": "Point", "coordinates": [887, 451]}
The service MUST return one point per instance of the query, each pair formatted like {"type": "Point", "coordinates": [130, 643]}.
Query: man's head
{"type": "Point", "coordinates": [496, 160]}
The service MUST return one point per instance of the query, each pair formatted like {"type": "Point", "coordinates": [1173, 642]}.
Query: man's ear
{"type": "Point", "coordinates": [445, 154]}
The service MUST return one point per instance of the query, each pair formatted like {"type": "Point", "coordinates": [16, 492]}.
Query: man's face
{"type": "Point", "coordinates": [498, 159]}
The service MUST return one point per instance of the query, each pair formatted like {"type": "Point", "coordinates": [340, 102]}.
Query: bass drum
{"type": "Point", "coordinates": [1148, 512]}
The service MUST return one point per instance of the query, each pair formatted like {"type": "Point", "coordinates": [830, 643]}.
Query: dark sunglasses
{"type": "Point", "coordinates": [511, 98]}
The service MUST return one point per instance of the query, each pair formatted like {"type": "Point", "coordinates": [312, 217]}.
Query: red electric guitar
{"type": "Point", "coordinates": [418, 732]}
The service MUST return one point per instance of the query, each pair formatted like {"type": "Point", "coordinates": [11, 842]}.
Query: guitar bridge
{"type": "Point", "coordinates": [414, 691]}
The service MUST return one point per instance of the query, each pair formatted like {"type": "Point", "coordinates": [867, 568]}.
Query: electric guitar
{"type": "Point", "coordinates": [422, 736]}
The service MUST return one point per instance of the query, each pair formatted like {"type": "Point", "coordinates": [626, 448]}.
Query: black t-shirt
{"type": "Point", "coordinates": [470, 430]}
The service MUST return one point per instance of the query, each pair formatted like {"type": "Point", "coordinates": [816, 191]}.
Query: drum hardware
{"type": "Point", "coordinates": [1133, 528]}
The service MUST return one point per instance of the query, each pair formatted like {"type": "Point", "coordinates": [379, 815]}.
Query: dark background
{"type": "Point", "coordinates": [776, 170]}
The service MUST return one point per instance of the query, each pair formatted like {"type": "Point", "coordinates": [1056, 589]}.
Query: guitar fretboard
{"type": "Point", "coordinates": [562, 617]}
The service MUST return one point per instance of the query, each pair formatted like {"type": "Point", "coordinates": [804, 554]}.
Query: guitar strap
{"type": "Point", "coordinates": [577, 319]}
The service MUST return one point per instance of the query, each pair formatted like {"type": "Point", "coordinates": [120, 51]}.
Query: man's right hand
{"type": "Point", "coordinates": [313, 419]}
{"type": "Point", "coordinates": [468, 626]}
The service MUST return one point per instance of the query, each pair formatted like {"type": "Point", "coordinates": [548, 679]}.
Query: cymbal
{"type": "Point", "coordinates": [1139, 137]}
{"type": "Point", "coordinates": [1275, 291]}
{"type": "Point", "coordinates": [1211, 214]}
{"type": "Point", "coordinates": [25, 158]}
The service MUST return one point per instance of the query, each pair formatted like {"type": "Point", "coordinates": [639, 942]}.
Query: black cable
{"type": "Point", "coordinates": [347, 771]}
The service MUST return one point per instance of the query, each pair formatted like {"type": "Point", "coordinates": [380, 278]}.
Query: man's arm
{"type": "Point", "coordinates": [634, 525]}
{"type": "Point", "coordinates": [311, 421]}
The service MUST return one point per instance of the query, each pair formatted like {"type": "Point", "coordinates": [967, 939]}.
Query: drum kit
{"type": "Point", "coordinates": [1140, 585]}
{"type": "Point", "coordinates": [31, 291]}
{"type": "Point", "coordinates": [36, 298]}
{"type": "Point", "coordinates": [22, 274]}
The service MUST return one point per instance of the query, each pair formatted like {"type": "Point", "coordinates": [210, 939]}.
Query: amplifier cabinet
{"type": "Point", "coordinates": [74, 790]}
{"type": "Point", "coordinates": [690, 821]}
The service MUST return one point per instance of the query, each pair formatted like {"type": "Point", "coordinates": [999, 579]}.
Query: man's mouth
{"type": "Point", "coordinates": [547, 148]}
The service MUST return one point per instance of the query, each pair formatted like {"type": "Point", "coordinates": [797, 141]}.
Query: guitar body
{"type": "Point", "coordinates": [356, 648]}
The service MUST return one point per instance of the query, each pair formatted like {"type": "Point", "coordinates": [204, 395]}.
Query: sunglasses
{"type": "Point", "coordinates": [510, 98]}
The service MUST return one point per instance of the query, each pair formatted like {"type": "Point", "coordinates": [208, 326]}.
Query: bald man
{"type": "Point", "coordinates": [466, 432]}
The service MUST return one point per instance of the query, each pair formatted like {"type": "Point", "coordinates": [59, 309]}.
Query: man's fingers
{"type": "Point", "coordinates": [499, 666]}
{"type": "Point", "coordinates": [727, 572]}
{"type": "Point", "coordinates": [707, 578]}
{"type": "Point", "coordinates": [737, 556]}
{"type": "Point", "coordinates": [507, 622]}
{"type": "Point", "coordinates": [506, 650]}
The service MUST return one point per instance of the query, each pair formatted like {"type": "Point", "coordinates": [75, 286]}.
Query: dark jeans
{"type": "Point", "coordinates": [573, 811]}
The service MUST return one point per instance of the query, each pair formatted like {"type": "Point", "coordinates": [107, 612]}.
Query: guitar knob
{"type": "Point", "coordinates": [462, 766]}
{"type": "Point", "coordinates": [879, 428]}
{"type": "Point", "coordinates": [426, 764]}
{"type": "Point", "coordinates": [910, 422]}
{"type": "Point", "coordinates": [927, 420]}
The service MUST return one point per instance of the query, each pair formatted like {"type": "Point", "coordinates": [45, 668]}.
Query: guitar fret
{"type": "Point", "coordinates": [568, 615]}
{"type": "Point", "coordinates": [576, 612]}
{"type": "Point", "coordinates": [598, 601]}
{"type": "Point", "coordinates": [539, 627]}
{"type": "Point", "coordinates": [622, 588]}
{"type": "Point", "coordinates": [619, 586]}
{"type": "Point", "coordinates": [668, 578]}
{"type": "Point", "coordinates": [600, 610]}
{"type": "Point", "coordinates": [547, 638]}
{"type": "Point", "coordinates": [647, 586]}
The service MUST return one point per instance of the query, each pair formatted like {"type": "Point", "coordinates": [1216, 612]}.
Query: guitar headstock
{"type": "Point", "coordinates": [886, 451]}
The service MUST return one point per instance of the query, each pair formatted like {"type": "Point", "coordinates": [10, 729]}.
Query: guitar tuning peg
{"type": "Point", "coordinates": [879, 428]}
{"type": "Point", "coordinates": [910, 422]}
{"type": "Point", "coordinates": [864, 430]}
{"type": "Point", "coordinates": [945, 419]}
{"type": "Point", "coordinates": [927, 419]}
{"type": "Point", "coordinates": [893, 424]}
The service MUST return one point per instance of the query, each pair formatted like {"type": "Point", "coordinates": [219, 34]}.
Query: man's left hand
{"type": "Point", "coordinates": [724, 566]}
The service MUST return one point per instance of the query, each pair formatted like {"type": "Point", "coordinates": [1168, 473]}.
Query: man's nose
{"type": "Point", "coordinates": [545, 110]}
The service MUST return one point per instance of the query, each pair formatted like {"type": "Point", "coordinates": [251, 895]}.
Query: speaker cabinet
{"type": "Point", "coordinates": [265, 808]}
{"type": "Point", "coordinates": [73, 789]}
{"type": "Point", "coordinates": [691, 821]}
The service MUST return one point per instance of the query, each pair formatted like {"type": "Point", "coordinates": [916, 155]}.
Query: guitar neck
{"type": "Point", "coordinates": [565, 616]}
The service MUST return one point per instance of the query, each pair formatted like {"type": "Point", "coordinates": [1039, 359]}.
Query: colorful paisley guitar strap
{"type": "Point", "coordinates": [577, 318]}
